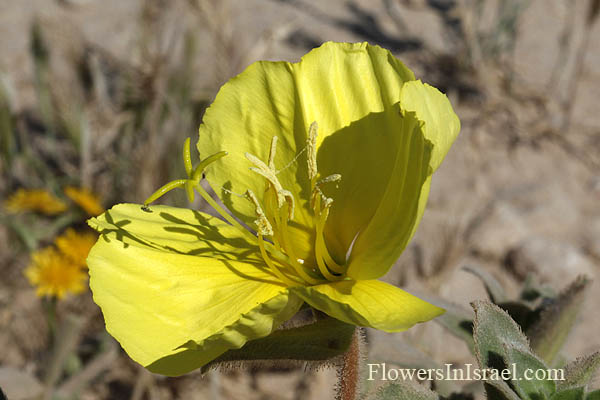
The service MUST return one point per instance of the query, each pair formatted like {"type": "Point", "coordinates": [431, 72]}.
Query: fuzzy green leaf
{"type": "Point", "coordinates": [532, 289]}
{"type": "Point", "coordinates": [580, 371]}
{"type": "Point", "coordinates": [492, 286]}
{"type": "Point", "coordinates": [458, 320]}
{"type": "Point", "coordinates": [526, 365]}
{"type": "Point", "coordinates": [404, 391]}
{"type": "Point", "coordinates": [499, 390]}
{"type": "Point", "coordinates": [556, 320]}
{"type": "Point", "coordinates": [523, 314]}
{"type": "Point", "coordinates": [595, 395]}
{"type": "Point", "coordinates": [493, 329]}
{"type": "Point", "coordinates": [569, 394]}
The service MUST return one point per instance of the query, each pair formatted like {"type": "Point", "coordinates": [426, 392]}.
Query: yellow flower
{"type": "Point", "coordinates": [76, 245]}
{"type": "Point", "coordinates": [330, 161]}
{"type": "Point", "coordinates": [38, 200]}
{"type": "Point", "coordinates": [54, 274]}
{"type": "Point", "coordinates": [84, 198]}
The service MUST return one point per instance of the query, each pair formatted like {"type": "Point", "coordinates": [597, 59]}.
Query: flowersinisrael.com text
{"type": "Point", "coordinates": [382, 372]}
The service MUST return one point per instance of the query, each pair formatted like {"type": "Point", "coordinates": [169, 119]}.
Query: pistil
{"type": "Point", "coordinates": [272, 220]}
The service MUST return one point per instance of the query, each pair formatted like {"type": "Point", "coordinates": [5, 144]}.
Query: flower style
{"type": "Point", "coordinates": [38, 200]}
{"type": "Point", "coordinates": [330, 161]}
{"type": "Point", "coordinates": [86, 199]}
{"type": "Point", "coordinates": [54, 274]}
{"type": "Point", "coordinates": [76, 245]}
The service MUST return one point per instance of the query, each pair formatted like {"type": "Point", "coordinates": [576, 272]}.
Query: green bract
{"type": "Point", "coordinates": [330, 161]}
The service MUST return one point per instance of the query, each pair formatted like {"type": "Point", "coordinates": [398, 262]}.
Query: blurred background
{"type": "Point", "coordinates": [97, 97]}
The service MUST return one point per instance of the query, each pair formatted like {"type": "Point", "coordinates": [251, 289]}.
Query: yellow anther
{"type": "Point", "coordinates": [329, 179]}
{"type": "Point", "coordinates": [317, 199]}
{"type": "Point", "coordinates": [311, 151]}
{"type": "Point", "coordinates": [326, 203]}
{"type": "Point", "coordinates": [289, 198]}
{"type": "Point", "coordinates": [272, 153]}
{"type": "Point", "coordinates": [269, 174]}
{"type": "Point", "coordinates": [264, 226]}
{"type": "Point", "coordinates": [318, 193]}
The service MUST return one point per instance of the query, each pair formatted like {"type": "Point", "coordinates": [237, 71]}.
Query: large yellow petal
{"type": "Point", "coordinates": [397, 177]}
{"type": "Point", "coordinates": [175, 305]}
{"type": "Point", "coordinates": [334, 85]}
{"type": "Point", "coordinates": [422, 148]}
{"type": "Point", "coordinates": [369, 303]}
{"type": "Point", "coordinates": [441, 124]}
{"type": "Point", "coordinates": [177, 230]}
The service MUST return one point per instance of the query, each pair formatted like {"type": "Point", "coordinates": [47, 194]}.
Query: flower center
{"type": "Point", "coordinates": [273, 214]}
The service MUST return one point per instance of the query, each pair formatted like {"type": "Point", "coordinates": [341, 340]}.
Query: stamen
{"type": "Point", "coordinates": [270, 200]}
{"type": "Point", "coordinates": [317, 193]}
{"type": "Point", "coordinates": [269, 174]}
{"type": "Point", "coordinates": [264, 226]}
{"type": "Point", "coordinates": [321, 263]}
{"type": "Point", "coordinates": [329, 179]}
{"type": "Point", "coordinates": [271, 265]}
{"type": "Point", "coordinates": [321, 208]}
{"type": "Point", "coordinates": [289, 198]}
{"type": "Point", "coordinates": [321, 250]}
{"type": "Point", "coordinates": [272, 153]}
{"type": "Point", "coordinates": [311, 153]}
{"type": "Point", "coordinates": [287, 245]}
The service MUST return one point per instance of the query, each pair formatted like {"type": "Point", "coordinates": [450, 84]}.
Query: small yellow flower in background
{"type": "Point", "coordinates": [76, 245]}
{"type": "Point", "coordinates": [86, 199]}
{"type": "Point", "coordinates": [37, 200]}
{"type": "Point", "coordinates": [330, 161]}
{"type": "Point", "coordinates": [54, 274]}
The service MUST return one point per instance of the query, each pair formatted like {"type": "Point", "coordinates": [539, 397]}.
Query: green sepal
{"type": "Point", "coordinates": [556, 320]}
{"type": "Point", "coordinates": [569, 394]}
{"type": "Point", "coordinates": [320, 341]}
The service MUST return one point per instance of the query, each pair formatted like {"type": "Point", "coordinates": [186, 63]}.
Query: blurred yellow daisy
{"type": "Point", "coordinates": [85, 199]}
{"type": "Point", "coordinates": [38, 200]}
{"type": "Point", "coordinates": [76, 245]}
{"type": "Point", "coordinates": [54, 274]}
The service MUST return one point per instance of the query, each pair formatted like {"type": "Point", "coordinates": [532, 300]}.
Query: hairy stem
{"type": "Point", "coordinates": [349, 371]}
